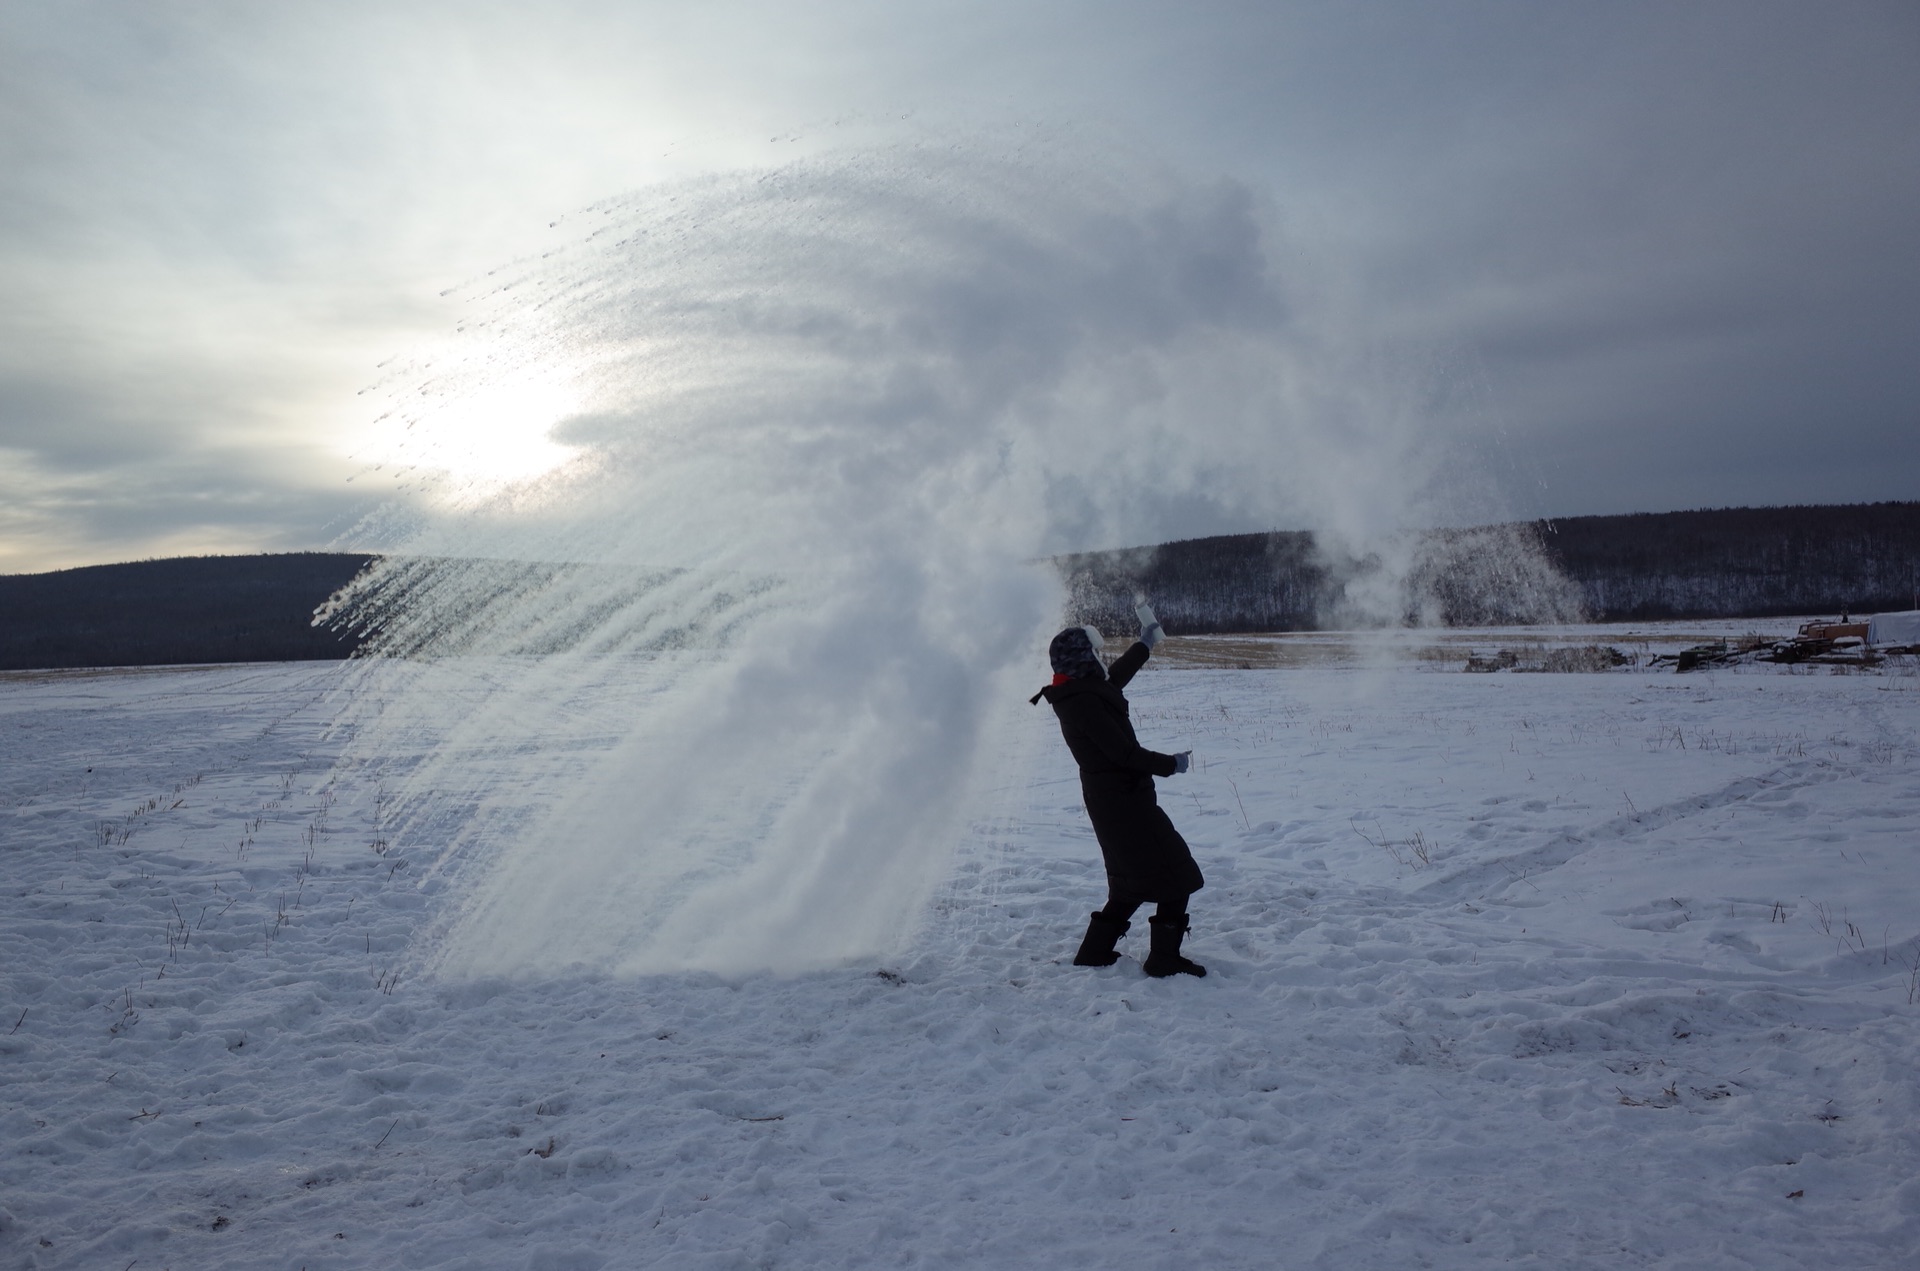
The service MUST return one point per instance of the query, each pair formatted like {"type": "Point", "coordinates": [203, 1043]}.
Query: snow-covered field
{"type": "Point", "coordinates": [1531, 970]}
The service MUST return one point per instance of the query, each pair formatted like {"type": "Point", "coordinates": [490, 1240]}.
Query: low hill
{"type": "Point", "coordinates": [160, 612]}
{"type": "Point", "coordinates": [1724, 563]}
{"type": "Point", "coordinates": [1740, 562]}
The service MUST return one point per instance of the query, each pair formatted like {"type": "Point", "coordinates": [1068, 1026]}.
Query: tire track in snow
{"type": "Point", "coordinates": [1513, 870]}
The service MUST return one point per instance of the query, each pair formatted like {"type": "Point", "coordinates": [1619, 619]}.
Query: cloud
{"type": "Point", "coordinates": [188, 502]}
{"type": "Point", "coordinates": [1697, 215]}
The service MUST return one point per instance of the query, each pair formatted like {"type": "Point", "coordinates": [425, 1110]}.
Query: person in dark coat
{"type": "Point", "coordinates": [1146, 858]}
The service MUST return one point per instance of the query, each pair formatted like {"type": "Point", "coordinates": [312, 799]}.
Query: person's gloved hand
{"type": "Point", "coordinates": [1151, 632]}
{"type": "Point", "coordinates": [1182, 761]}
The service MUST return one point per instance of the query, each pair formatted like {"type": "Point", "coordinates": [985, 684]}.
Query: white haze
{"type": "Point", "coordinates": [794, 443]}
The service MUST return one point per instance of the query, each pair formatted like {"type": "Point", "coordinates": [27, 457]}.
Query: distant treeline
{"type": "Point", "coordinates": [1728, 563]}
{"type": "Point", "coordinates": [1740, 562]}
{"type": "Point", "coordinates": [161, 612]}
{"type": "Point", "coordinates": [1724, 563]}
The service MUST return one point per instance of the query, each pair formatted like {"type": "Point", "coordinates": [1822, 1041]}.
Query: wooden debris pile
{"type": "Point", "coordinates": [1563, 660]}
{"type": "Point", "coordinates": [1844, 643]}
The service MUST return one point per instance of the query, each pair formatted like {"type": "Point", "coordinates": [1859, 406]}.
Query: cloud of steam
{"type": "Point", "coordinates": [789, 445]}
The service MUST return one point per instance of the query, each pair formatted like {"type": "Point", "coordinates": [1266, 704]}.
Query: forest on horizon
{"type": "Point", "coordinates": [1637, 567]}
{"type": "Point", "coordinates": [1720, 563]}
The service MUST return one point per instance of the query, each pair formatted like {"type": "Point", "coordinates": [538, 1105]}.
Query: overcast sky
{"type": "Point", "coordinates": [1667, 251]}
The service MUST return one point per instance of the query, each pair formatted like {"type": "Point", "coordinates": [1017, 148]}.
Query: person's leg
{"type": "Point", "coordinates": [1169, 927]}
{"type": "Point", "coordinates": [1104, 929]}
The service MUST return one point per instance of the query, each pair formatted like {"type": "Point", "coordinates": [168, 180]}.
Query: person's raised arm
{"type": "Point", "coordinates": [1128, 664]}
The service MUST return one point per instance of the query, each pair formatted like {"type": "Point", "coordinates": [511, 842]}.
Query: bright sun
{"type": "Point", "coordinates": [499, 434]}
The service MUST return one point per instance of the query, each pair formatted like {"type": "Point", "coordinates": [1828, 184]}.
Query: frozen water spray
{"type": "Point", "coordinates": [777, 457]}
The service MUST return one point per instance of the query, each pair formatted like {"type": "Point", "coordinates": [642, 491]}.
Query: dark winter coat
{"type": "Point", "coordinates": [1146, 857]}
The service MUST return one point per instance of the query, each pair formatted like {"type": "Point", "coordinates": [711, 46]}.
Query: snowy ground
{"type": "Point", "coordinates": [1530, 970]}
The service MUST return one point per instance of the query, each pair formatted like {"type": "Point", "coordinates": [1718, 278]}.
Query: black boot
{"type": "Point", "coordinates": [1102, 934]}
{"type": "Point", "coordinates": [1163, 958]}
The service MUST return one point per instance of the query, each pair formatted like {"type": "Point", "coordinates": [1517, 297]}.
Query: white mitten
{"type": "Point", "coordinates": [1151, 632]}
